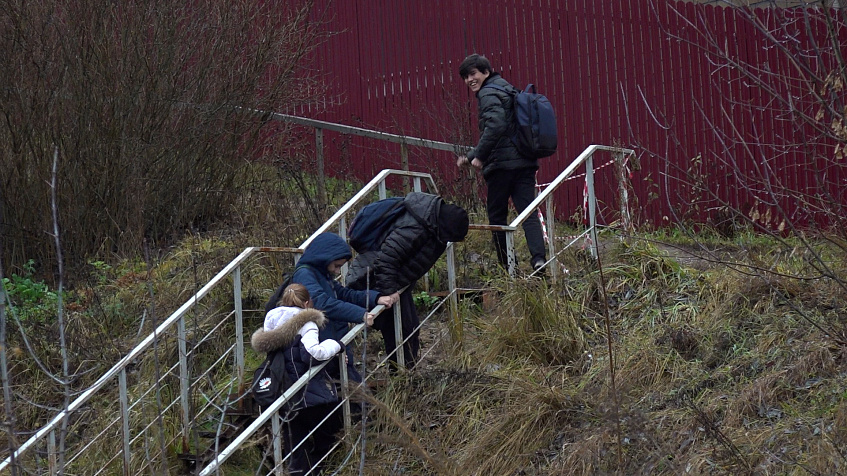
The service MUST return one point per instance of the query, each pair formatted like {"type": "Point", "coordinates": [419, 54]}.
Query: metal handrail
{"type": "Point", "coordinates": [273, 408]}
{"type": "Point", "coordinates": [378, 182]}
{"type": "Point", "coordinates": [233, 268]}
{"type": "Point", "coordinates": [127, 359]}
{"type": "Point", "coordinates": [546, 195]}
{"type": "Point", "coordinates": [358, 131]}
{"type": "Point", "coordinates": [586, 157]}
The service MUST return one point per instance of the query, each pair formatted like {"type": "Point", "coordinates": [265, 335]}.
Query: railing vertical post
{"type": "Point", "coordinates": [510, 252]}
{"type": "Point", "coordinates": [382, 189]}
{"type": "Point", "coordinates": [551, 237]}
{"type": "Point", "coordinates": [319, 149]}
{"type": "Point", "coordinates": [404, 164]}
{"type": "Point", "coordinates": [592, 203]}
{"type": "Point", "coordinates": [342, 228]}
{"type": "Point", "coordinates": [345, 392]}
{"type": "Point", "coordinates": [456, 329]}
{"type": "Point", "coordinates": [52, 456]}
{"type": "Point", "coordinates": [417, 185]}
{"type": "Point", "coordinates": [342, 232]}
{"type": "Point", "coordinates": [398, 337]}
{"type": "Point", "coordinates": [623, 189]}
{"type": "Point", "coordinates": [239, 324]}
{"type": "Point", "coordinates": [184, 384]}
{"type": "Point", "coordinates": [277, 437]}
{"type": "Point", "coordinates": [124, 420]}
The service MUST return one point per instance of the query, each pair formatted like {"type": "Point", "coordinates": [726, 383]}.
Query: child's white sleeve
{"type": "Point", "coordinates": [319, 350]}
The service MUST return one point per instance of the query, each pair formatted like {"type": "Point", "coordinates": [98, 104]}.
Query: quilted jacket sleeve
{"type": "Point", "coordinates": [337, 302]}
{"type": "Point", "coordinates": [397, 263]}
{"type": "Point", "coordinates": [493, 123]}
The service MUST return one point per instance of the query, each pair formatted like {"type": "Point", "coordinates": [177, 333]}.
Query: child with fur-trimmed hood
{"type": "Point", "coordinates": [293, 327]}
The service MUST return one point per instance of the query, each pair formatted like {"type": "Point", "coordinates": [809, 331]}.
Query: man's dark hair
{"type": "Point", "coordinates": [474, 61]}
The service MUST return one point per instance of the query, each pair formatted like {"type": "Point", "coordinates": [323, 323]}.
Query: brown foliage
{"type": "Point", "coordinates": [144, 103]}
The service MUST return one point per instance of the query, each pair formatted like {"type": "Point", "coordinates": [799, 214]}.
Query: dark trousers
{"type": "Point", "coordinates": [519, 185]}
{"type": "Point", "coordinates": [306, 457]}
{"type": "Point", "coordinates": [409, 322]}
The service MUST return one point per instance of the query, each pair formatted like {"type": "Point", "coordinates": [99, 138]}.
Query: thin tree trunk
{"type": "Point", "coordinates": [59, 309]}
{"type": "Point", "coordinates": [8, 422]}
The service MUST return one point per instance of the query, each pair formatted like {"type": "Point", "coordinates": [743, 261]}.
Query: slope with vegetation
{"type": "Point", "coordinates": [716, 368]}
{"type": "Point", "coordinates": [724, 359]}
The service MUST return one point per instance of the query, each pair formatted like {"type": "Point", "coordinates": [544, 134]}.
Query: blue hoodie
{"type": "Point", "coordinates": [340, 305]}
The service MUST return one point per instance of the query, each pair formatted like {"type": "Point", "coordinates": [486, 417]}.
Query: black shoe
{"type": "Point", "coordinates": [538, 269]}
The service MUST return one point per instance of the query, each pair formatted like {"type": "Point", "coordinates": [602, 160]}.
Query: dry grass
{"type": "Point", "coordinates": [716, 372]}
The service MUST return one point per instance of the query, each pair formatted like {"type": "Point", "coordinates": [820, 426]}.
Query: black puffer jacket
{"type": "Point", "coordinates": [411, 246]}
{"type": "Point", "coordinates": [321, 389]}
{"type": "Point", "coordinates": [496, 116]}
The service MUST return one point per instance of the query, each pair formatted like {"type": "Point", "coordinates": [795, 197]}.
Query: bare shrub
{"type": "Point", "coordinates": [145, 103]}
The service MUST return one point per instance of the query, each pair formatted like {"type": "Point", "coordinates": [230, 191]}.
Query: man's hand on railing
{"type": "Point", "coordinates": [462, 161]}
{"type": "Point", "coordinates": [389, 300]}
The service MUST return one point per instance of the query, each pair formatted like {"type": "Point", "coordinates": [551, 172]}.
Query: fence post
{"type": "Point", "coordinates": [456, 329]}
{"type": "Point", "coordinates": [404, 165]}
{"type": "Point", "coordinates": [277, 444]}
{"type": "Point", "coordinates": [184, 384]}
{"type": "Point", "coordinates": [592, 203]}
{"type": "Point", "coordinates": [239, 324]}
{"type": "Point", "coordinates": [551, 238]}
{"type": "Point", "coordinates": [398, 336]}
{"type": "Point", "coordinates": [623, 189]}
{"type": "Point", "coordinates": [319, 147]}
{"type": "Point", "coordinates": [510, 252]}
{"type": "Point", "coordinates": [52, 454]}
{"type": "Point", "coordinates": [345, 392]}
{"type": "Point", "coordinates": [124, 420]}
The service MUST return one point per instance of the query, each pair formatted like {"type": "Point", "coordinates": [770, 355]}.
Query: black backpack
{"type": "Point", "coordinates": [535, 122]}
{"type": "Point", "coordinates": [270, 380]}
{"type": "Point", "coordinates": [372, 222]}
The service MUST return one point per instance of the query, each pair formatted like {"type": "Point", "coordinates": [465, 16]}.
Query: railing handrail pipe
{"type": "Point", "coordinates": [267, 413]}
{"type": "Point", "coordinates": [554, 184]}
{"type": "Point", "coordinates": [358, 131]}
{"type": "Point", "coordinates": [128, 358]}
{"type": "Point", "coordinates": [113, 372]}
{"type": "Point", "coordinates": [368, 188]}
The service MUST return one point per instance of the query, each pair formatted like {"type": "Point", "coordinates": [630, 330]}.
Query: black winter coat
{"type": "Point", "coordinates": [496, 117]}
{"type": "Point", "coordinates": [409, 249]}
{"type": "Point", "coordinates": [322, 388]}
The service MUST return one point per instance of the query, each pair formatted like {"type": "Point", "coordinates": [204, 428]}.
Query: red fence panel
{"type": "Point", "coordinates": [637, 74]}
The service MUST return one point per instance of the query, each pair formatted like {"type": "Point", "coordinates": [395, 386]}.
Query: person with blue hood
{"type": "Point", "coordinates": [320, 264]}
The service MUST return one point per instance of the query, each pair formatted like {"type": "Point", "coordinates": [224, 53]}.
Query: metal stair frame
{"type": "Point", "coordinates": [176, 319]}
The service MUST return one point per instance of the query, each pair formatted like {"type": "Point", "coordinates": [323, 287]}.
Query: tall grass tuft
{"type": "Point", "coordinates": [531, 324]}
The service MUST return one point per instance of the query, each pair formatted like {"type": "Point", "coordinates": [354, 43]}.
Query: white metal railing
{"type": "Point", "coordinates": [586, 158]}
{"type": "Point", "coordinates": [546, 196]}
{"type": "Point", "coordinates": [172, 331]}
{"type": "Point", "coordinates": [189, 387]}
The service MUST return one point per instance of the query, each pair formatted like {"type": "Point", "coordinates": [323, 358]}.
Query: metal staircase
{"type": "Point", "coordinates": [197, 407]}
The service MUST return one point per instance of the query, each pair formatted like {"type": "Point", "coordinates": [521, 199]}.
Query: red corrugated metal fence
{"type": "Point", "coordinates": [636, 74]}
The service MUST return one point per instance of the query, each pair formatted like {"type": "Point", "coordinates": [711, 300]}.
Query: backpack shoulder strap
{"type": "Point", "coordinates": [427, 226]}
{"type": "Point", "coordinates": [501, 88]}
